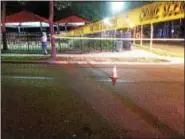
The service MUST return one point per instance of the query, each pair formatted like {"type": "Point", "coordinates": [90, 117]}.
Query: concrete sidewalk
{"type": "Point", "coordinates": [125, 54]}
{"type": "Point", "coordinates": [129, 54]}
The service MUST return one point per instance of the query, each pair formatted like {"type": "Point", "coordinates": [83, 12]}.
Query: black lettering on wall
{"type": "Point", "coordinates": [96, 27]}
{"type": "Point", "coordinates": [166, 9]}
{"type": "Point", "coordinates": [182, 6]}
{"type": "Point", "coordinates": [173, 8]}
{"type": "Point", "coordinates": [101, 26]}
{"type": "Point", "coordinates": [176, 8]}
{"type": "Point", "coordinates": [149, 13]}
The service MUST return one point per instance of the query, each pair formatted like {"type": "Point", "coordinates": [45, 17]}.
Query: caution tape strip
{"type": "Point", "coordinates": [126, 39]}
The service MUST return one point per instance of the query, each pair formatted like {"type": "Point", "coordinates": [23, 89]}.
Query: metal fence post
{"type": "Point", "coordinates": [134, 35]}
{"type": "Point", "coordinates": [60, 45]}
{"type": "Point", "coordinates": [151, 35]}
{"type": "Point", "coordinates": [101, 42]}
{"type": "Point", "coordinates": [41, 27]}
{"type": "Point", "coordinates": [141, 36]}
{"type": "Point", "coordinates": [27, 41]}
{"type": "Point", "coordinates": [81, 43]}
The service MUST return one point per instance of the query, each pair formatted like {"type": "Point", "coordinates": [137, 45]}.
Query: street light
{"type": "Point", "coordinates": [131, 25]}
{"type": "Point", "coordinates": [117, 6]}
{"type": "Point", "coordinates": [106, 22]}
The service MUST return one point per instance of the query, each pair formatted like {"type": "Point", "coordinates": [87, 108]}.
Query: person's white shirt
{"type": "Point", "coordinates": [44, 39]}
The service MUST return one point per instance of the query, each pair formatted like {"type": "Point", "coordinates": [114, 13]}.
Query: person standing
{"type": "Point", "coordinates": [44, 43]}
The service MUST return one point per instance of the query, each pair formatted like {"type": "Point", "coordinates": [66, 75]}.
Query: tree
{"type": "Point", "coordinates": [5, 47]}
{"type": "Point", "coordinates": [92, 11]}
{"type": "Point", "coordinates": [58, 5]}
{"type": "Point", "coordinates": [63, 4]}
{"type": "Point", "coordinates": [51, 15]}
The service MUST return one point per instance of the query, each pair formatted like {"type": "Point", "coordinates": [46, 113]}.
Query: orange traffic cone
{"type": "Point", "coordinates": [114, 75]}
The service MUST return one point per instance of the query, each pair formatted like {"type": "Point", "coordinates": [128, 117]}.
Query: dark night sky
{"type": "Point", "coordinates": [41, 8]}
{"type": "Point", "coordinates": [94, 11]}
{"type": "Point", "coordinates": [38, 7]}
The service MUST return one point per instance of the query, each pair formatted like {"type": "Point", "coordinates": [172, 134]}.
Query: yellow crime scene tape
{"type": "Point", "coordinates": [123, 39]}
{"type": "Point", "coordinates": [147, 14]}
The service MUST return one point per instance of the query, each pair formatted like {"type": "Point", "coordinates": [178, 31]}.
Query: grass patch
{"type": "Point", "coordinates": [160, 51]}
{"type": "Point", "coordinates": [24, 58]}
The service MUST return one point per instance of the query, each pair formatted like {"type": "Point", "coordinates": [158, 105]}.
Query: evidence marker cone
{"type": "Point", "coordinates": [114, 75]}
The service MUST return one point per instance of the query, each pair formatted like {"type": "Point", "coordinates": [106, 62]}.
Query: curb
{"type": "Point", "coordinates": [111, 63]}
{"type": "Point", "coordinates": [89, 62]}
{"type": "Point", "coordinates": [24, 62]}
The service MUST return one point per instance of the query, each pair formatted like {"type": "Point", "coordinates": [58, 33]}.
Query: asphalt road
{"type": "Point", "coordinates": [147, 100]}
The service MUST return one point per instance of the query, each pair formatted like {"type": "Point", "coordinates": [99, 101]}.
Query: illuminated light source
{"type": "Point", "coordinates": [117, 6]}
{"type": "Point", "coordinates": [131, 25]}
{"type": "Point", "coordinates": [106, 22]}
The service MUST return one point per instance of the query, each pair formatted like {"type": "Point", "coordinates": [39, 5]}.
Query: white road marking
{"type": "Point", "coordinates": [28, 77]}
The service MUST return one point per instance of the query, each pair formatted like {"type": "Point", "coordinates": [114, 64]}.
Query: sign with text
{"type": "Point", "coordinates": [147, 14]}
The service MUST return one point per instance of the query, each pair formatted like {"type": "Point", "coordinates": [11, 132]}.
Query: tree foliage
{"type": "Point", "coordinates": [60, 5]}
